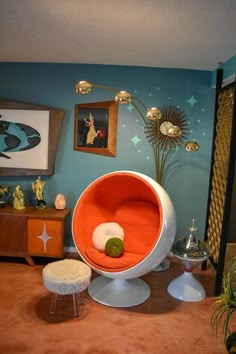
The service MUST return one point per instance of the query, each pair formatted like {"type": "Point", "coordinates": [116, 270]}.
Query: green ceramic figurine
{"type": "Point", "coordinates": [18, 201]}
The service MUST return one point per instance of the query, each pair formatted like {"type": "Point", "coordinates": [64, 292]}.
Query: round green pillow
{"type": "Point", "coordinates": [114, 247]}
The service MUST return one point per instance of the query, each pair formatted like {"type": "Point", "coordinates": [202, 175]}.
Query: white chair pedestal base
{"type": "Point", "coordinates": [119, 292]}
{"type": "Point", "coordinates": [186, 288]}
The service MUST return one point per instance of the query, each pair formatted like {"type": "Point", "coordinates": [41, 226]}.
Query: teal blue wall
{"type": "Point", "coordinates": [53, 85]}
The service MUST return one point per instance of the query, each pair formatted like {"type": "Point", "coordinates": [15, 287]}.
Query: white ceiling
{"type": "Point", "coordinates": [191, 34]}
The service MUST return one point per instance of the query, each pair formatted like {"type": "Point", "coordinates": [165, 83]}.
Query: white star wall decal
{"type": "Point", "coordinates": [135, 140]}
{"type": "Point", "coordinates": [130, 107]}
{"type": "Point", "coordinates": [44, 237]}
{"type": "Point", "coordinates": [192, 101]}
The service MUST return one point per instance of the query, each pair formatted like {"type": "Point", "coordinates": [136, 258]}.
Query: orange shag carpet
{"type": "Point", "coordinates": [161, 325]}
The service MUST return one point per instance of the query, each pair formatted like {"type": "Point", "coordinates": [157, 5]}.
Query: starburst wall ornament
{"type": "Point", "coordinates": [170, 130]}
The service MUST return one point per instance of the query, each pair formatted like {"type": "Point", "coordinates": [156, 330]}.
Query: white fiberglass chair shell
{"type": "Point", "coordinates": [145, 212]}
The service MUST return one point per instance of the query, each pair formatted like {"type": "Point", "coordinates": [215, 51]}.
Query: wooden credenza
{"type": "Point", "coordinates": [33, 232]}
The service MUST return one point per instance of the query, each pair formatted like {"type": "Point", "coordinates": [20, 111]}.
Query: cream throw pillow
{"type": "Point", "coordinates": [103, 232]}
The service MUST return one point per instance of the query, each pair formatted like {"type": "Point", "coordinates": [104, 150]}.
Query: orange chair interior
{"type": "Point", "coordinates": [127, 200]}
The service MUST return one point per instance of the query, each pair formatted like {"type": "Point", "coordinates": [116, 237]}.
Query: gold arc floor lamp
{"type": "Point", "coordinates": [165, 128]}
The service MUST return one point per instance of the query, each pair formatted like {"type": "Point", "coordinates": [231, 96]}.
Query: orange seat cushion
{"type": "Point", "coordinates": [104, 261]}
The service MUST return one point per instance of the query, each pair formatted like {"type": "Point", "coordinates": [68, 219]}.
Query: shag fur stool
{"type": "Point", "coordinates": [64, 277]}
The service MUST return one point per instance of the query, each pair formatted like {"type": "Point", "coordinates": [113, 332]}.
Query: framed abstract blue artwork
{"type": "Point", "coordinates": [29, 136]}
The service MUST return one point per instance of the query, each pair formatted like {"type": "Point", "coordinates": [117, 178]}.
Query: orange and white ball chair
{"type": "Point", "coordinates": [135, 208]}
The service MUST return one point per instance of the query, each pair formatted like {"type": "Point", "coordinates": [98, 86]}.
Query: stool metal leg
{"type": "Point", "coordinates": [81, 298]}
{"type": "Point", "coordinates": [76, 304]}
{"type": "Point", "coordinates": [53, 304]}
{"type": "Point", "coordinates": [77, 300]}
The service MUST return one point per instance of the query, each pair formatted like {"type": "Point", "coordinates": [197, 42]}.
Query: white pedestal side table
{"type": "Point", "coordinates": [187, 287]}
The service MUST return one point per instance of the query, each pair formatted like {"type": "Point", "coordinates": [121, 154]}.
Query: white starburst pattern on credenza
{"type": "Point", "coordinates": [44, 237]}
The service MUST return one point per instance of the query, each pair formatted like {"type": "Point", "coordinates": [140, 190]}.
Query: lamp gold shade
{"type": "Point", "coordinates": [83, 87]}
{"type": "Point", "coordinates": [174, 131]}
{"type": "Point", "coordinates": [191, 146]}
{"type": "Point", "coordinates": [123, 97]}
{"type": "Point", "coordinates": [154, 113]}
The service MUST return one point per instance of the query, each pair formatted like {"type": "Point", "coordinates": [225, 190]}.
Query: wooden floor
{"type": "Point", "coordinates": [162, 324]}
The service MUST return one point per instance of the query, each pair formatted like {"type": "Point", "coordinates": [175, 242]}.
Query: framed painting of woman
{"type": "Point", "coordinates": [95, 127]}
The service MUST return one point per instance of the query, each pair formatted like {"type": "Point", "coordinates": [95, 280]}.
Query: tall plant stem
{"type": "Point", "coordinates": [164, 156]}
{"type": "Point", "coordinates": [156, 152]}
